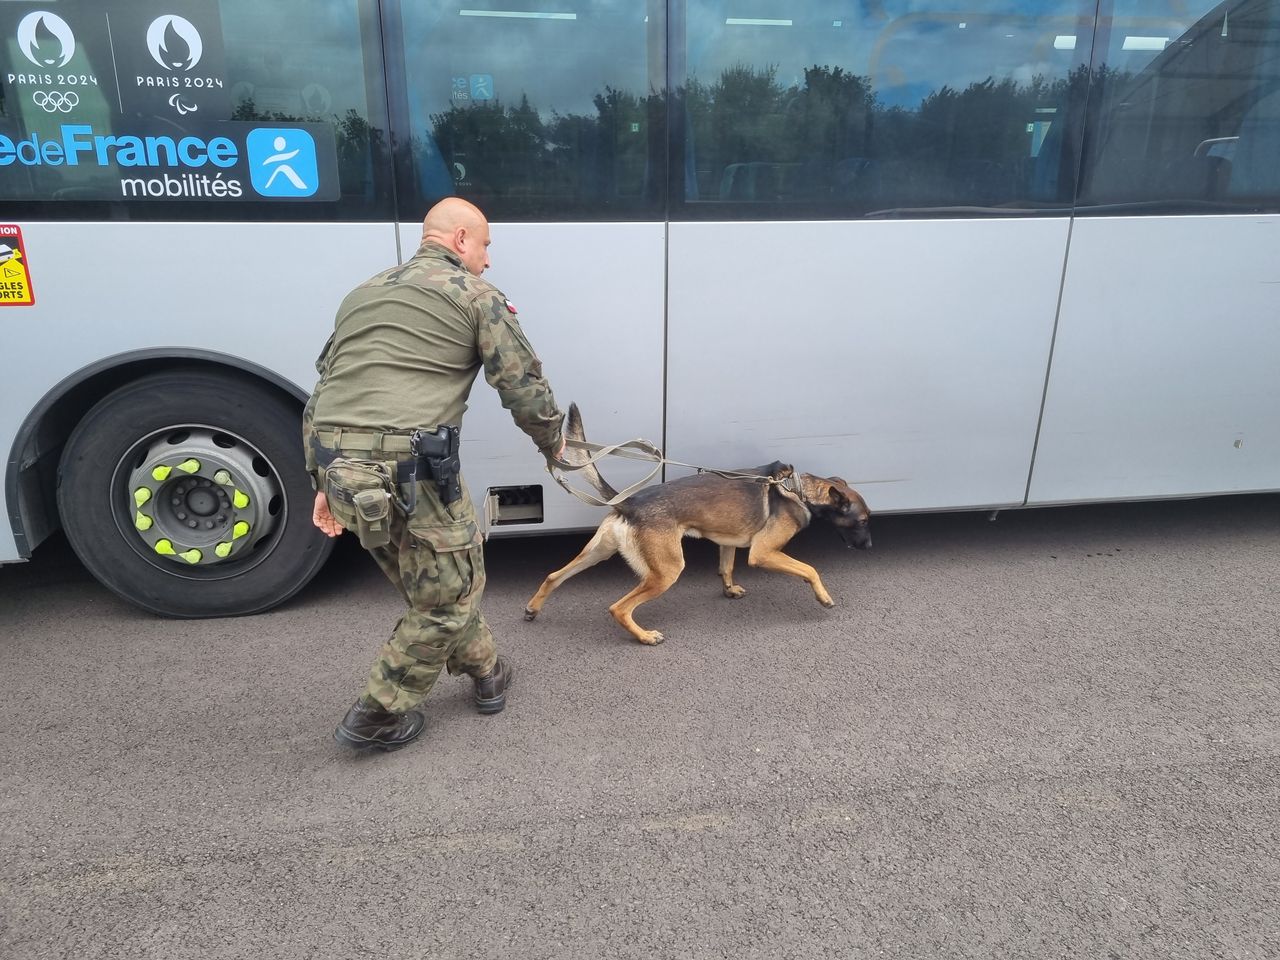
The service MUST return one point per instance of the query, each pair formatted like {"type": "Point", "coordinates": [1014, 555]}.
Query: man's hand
{"type": "Point", "coordinates": [323, 519]}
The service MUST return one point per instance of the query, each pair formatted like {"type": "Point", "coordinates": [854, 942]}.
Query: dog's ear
{"type": "Point", "coordinates": [840, 480]}
{"type": "Point", "coordinates": [573, 424]}
{"type": "Point", "coordinates": [845, 497]}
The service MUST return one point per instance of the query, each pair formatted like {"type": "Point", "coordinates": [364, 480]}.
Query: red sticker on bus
{"type": "Point", "coordinates": [15, 276]}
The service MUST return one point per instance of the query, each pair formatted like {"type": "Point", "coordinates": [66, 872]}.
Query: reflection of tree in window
{"type": "Point", "coordinates": [361, 147]}
{"type": "Point", "coordinates": [830, 138]}
{"type": "Point", "coordinates": [514, 153]}
{"type": "Point", "coordinates": [826, 139]}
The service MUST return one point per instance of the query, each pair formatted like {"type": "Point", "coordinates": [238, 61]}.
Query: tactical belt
{"type": "Point", "coordinates": [434, 454]}
{"type": "Point", "coordinates": [338, 438]}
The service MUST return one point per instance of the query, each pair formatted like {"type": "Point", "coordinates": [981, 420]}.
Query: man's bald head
{"type": "Point", "coordinates": [450, 214]}
{"type": "Point", "coordinates": [460, 226]}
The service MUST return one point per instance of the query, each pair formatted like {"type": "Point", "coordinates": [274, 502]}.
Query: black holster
{"type": "Point", "coordinates": [436, 455]}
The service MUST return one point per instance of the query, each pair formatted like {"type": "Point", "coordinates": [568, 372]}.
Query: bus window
{"type": "Point", "coordinates": [320, 75]}
{"type": "Point", "coordinates": [138, 111]}
{"type": "Point", "coordinates": [1188, 114]}
{"type": "Point", "coordinates": [840, 108]}
{"type": "Point", "coordinates": [47, 79]}
{"type": "Point", "coordinates": [545, 110]}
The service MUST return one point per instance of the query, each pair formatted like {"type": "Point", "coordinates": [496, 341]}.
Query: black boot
{"type": "Point", "coordinates": [491, 691]}
{"type": "Point", "coordinates": [369, 727]}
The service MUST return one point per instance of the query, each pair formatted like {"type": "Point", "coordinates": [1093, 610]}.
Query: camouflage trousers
{"type": "Point", "coordinates": [435, 558]}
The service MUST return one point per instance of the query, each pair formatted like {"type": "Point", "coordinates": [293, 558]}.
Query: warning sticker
{"type": "Point", "coordinates": [15, 276]}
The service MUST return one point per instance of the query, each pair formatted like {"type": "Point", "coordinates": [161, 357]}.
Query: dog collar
{"type": "Point", "coordinates": [790, 487]}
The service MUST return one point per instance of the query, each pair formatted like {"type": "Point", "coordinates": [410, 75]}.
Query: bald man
{"type": "Point", "coordinates": [406, 348]}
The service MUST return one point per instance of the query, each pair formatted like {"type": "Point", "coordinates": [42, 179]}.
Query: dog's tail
{"type": "Point", "coordinates": [573, 431]}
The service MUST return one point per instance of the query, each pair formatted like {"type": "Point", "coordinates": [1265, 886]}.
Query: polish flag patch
{"type": "Point", "coordinates": [511, 307]}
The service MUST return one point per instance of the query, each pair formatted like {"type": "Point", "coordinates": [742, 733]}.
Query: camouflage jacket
{"type": "Point", "coordinates": [406, 348]}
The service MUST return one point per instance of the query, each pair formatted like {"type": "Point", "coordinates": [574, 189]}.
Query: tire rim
{"type": "Point", "coordinates": [195, 500]}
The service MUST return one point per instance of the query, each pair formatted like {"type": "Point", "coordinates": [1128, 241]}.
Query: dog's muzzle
{"type": "Point", "coordinates": [856, 538]}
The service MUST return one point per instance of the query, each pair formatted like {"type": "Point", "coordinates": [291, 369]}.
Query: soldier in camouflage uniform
{"type": "Point", "coordinates": [406, 348]}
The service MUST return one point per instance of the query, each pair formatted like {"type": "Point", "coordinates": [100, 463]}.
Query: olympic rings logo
{"type": "Point", "coordinates": [56, 101]}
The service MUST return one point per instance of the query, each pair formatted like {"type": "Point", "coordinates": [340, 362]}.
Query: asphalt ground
{"type": "Point", "coordinates": [1053, 735]}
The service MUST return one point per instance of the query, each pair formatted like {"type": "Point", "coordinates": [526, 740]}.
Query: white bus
{"type": "Point", "coordinates": [998, 256]}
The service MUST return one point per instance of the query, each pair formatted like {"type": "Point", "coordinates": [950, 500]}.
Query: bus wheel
{"type": "Point", "coordinates": [185, 493]}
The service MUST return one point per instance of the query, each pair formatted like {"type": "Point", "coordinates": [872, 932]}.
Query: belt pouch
{"type": "Point", "coordinates": [373, 517]}
{"type": "Point", "coordinates": [359, 494]}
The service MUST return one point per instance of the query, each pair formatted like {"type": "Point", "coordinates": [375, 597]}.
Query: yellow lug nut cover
{"type": "Point", "coordinates": [141, 495]}
{"type": "Point", "coordinates": [223, 478]}
{"type": "Point", "coordinates": [191, 556]}
{"type": "Point", "coordinates": [240, 529]}
{"type": "Point", "coordinates": [161, 472]}
{"type": "Point", "coordinates": [222, 549]}
{"type": "Point", "coordinates": [240, 499]}
{"type": "Point", "coordinates": [142, 521]}
{"type": "Point", "coordinates": [190, 465]}
{"type": "Point", "coordinates": [165, 547]}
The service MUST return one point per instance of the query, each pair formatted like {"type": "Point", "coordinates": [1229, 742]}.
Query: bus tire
{"type": "Point", "coordinates": [185, 493]}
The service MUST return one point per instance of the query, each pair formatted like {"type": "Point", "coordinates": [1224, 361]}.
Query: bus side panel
{"type": "Point", "coordinates": [907, 357]}
{"type": "Point", "coordinates": [590, 299]}
{"type": "Point", "coordinates": [265, 292]}
{"type": "Point", "coordinates": [1164, 379]}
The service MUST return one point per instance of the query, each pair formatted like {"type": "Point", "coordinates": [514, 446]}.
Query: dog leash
{"type": "Point", "coordinates": [644, 450]}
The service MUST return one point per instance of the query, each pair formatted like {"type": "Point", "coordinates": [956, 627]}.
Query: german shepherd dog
{"type": "Point", "coordinates": [758, 515]}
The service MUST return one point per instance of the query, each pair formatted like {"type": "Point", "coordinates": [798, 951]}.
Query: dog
{"type": "Point", "coordinates": [759, 514]}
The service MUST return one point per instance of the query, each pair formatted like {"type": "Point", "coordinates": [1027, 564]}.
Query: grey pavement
{"type": "Point", "coordinates": [1054, 735]}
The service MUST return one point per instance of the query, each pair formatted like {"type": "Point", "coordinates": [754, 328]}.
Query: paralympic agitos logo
{"type": "Point", "coordinates": [175, 44]}
{"type": "Point", "coordinates": [178, 46]}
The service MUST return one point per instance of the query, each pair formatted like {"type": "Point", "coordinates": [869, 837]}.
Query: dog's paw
{"type": "Point", "coordinates": [734, 592]}
{"type": "Point", "coordinates": [650, 637]}
{"type": "Point", "coordinates": [530, 613]}
{"type": "Point", "coordinates": [827, 602]}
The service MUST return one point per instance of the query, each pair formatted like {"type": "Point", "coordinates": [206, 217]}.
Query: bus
{"type": "Point", "coordinates": [1005, 255]}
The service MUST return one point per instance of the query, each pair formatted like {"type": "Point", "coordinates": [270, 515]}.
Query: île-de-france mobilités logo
{"type": "Point", "coordinates": [40, 34]}
{"type": "Point", "coordinates": [282, 162]}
